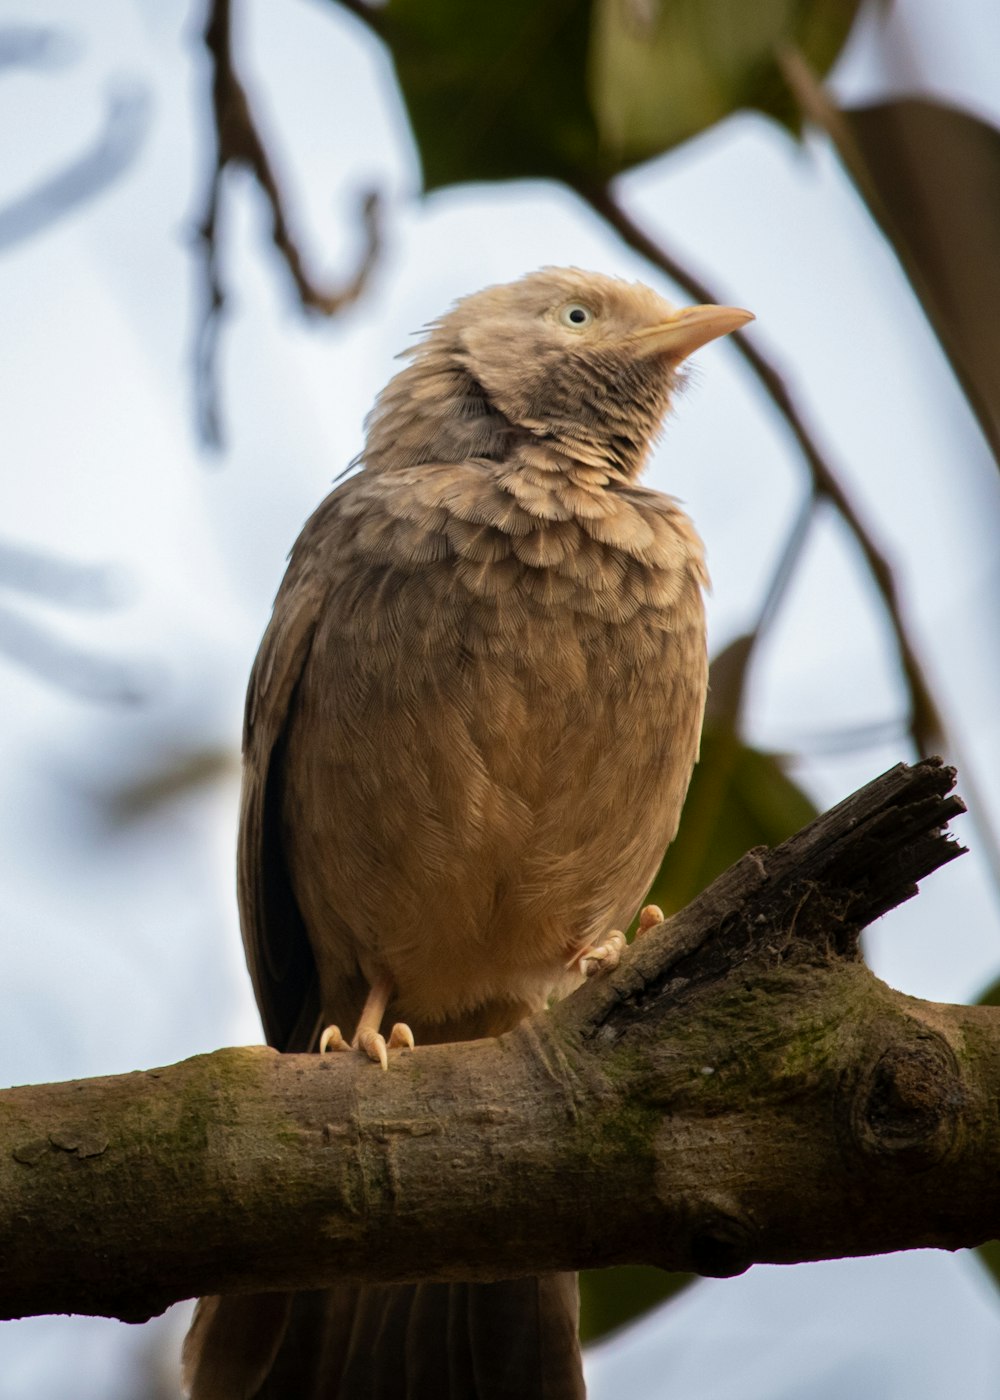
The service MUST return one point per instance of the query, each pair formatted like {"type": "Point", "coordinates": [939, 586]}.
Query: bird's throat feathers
{"type": "Point", "coordinates": [599, 408]}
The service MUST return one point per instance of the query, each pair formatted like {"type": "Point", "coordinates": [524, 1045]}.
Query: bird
{"type": "Point", "coordinates": [469, 732]}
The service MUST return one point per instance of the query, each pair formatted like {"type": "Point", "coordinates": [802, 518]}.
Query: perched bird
{"type": "Point", "coordinates": [469, 732]}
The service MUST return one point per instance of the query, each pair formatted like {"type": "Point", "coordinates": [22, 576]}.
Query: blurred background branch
{"type": "Point", "coordinates": [238, 143]}
{"type": "Point", "coordinates": [126, 125]}
{"type": "Point", "coordinates": [33, 46]}
{"type": "Point", "coordinates": [67, 585]}
{"type": "Point", "coordinates": [924, 721]}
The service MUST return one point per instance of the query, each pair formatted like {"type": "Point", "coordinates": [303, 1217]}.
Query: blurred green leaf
{"type": "Point", "coordinates": [664, 70]}
{"type": "Point", "coordinates": [610, 1298]}
{"type": "Point", "coordinates": [575, 90]}
{"type": "Point", "coordinates": [497, 91]}
{"type": "Point", "coordinates": [931, 177]}
{"type": "Point", "coordinates": [989, 1255]}
{"type": "Point", "coordinates": [739, 798]}
{"type": "Point", "coordinates": [991, 996]}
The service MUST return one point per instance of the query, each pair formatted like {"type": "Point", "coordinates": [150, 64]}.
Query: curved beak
{"type": "Point", "coordinates": [691, 328]}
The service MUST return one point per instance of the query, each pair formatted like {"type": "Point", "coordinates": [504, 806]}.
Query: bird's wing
{"type": "Point", "coordinates": [278, 953]}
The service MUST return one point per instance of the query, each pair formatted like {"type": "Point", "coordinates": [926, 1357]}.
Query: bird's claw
{"type": "Point", "coordinates": [400, 1037]}
{"type": "Point", "coordinates": [331, 1039]}
{"type": "Point", "coordinates": [373, 1045]}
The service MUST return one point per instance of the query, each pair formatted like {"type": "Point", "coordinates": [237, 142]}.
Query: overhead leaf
{"type": "Point", "coordinates": [664, 70]}
{"type": "Point", "coordinates": [578, 91]}
{"type": "Point", "coordinates": [739, 798]}
{"type": "Point", "coordinates": [496, 92]}
{"type": "Point", "coordinates": [931, 177]}
{"type": "Point", "coordinates": [612, 1298]}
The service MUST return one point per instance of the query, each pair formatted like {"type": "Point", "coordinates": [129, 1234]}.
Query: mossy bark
{"type": "Point", "coordinates": [740, 1089]}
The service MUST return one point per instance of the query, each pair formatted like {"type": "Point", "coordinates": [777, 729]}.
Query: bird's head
{"type": "Point", "coordinates": [583, 360]}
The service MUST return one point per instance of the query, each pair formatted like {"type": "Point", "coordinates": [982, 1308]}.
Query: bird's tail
{"type": "Point", "coordinates": [511, 1340]}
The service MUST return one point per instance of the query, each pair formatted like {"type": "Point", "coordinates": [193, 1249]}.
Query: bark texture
{"type": "Point", "coordinates": [741, 1089]}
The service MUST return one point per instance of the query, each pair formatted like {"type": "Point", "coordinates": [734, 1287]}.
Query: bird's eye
{"type": "Point", "coordinates": [576, 316]}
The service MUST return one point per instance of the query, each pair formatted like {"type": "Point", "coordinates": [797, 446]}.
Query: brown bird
{"type": "Point", "coordinates": [469, 732]}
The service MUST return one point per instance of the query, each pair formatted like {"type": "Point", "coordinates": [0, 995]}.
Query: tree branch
{"type": "Point", "coordinates": [740, 1089]}
{"type": "Point", "coordinates": [238, 143]}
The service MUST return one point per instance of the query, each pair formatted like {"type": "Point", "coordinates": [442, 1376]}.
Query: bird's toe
{"type": "Point", "coordinates": [400, 1037]}
{"type": "Point", "coordinates": [373, 1045]}
{"type": "Point", "coordinates": [651, 916]}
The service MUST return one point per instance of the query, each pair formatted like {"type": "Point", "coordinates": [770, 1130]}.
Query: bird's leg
{"type": "Point", "coordinates": [605, 957]}
{"type": "Point", "coordinates": [368, 1036]}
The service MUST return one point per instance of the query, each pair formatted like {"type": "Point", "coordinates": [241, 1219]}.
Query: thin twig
{"type": "Point", "coordinates": [238, 143]}
{"type": "Point", "coordinates": [795, 543]}
{"type": "Point", "coordinates": [207, 336]}
{"type": "Point", "coordinates": [925, 724]}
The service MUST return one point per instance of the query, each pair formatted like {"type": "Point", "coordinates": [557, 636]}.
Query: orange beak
{"type": "Point", "coordinates": [690, 329]}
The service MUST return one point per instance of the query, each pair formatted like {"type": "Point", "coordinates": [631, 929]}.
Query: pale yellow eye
{"type": "Point", "coordinates": [576, 316]}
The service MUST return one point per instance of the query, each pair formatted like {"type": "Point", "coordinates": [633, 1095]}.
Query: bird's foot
{"type": "Point", "coordinates": [605, 957]}
{"type": "Point", "coordinates": [376, 1047]}
{"type": "Point", "coordinates": [370, 1041]}
{"type": "Point", "coordinates": [368, 1038]}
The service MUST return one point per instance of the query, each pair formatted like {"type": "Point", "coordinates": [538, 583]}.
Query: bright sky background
{"type": "Point", "coordinates": [121, 947]}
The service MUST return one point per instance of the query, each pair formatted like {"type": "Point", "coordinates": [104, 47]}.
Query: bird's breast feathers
{"type": "Point", "coordinates": [531, 651]}
{"type": "Point", "coordinates": [528, 532]}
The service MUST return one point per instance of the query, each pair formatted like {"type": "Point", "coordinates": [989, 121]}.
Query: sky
{"type": "Point", "coordinates": [121, 948]}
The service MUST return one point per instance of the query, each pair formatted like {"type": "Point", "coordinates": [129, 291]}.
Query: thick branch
{"type": "Point", "coordinates": [741, 1089]}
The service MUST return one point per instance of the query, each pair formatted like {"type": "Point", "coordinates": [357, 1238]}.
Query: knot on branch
{"type": "Point", "coordinates": [907, 1109]}
{"type": "Point", "coordinates": [722, 1243]}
